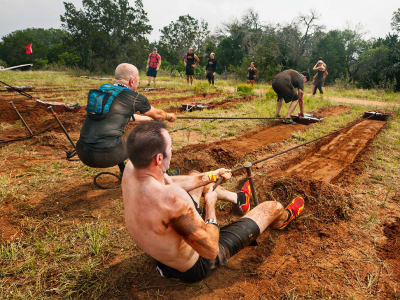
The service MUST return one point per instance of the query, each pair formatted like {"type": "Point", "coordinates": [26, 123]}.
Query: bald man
{"type": "Point", "coordinates": [100, 144]}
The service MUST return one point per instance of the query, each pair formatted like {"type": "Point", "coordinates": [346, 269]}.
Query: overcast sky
{"type": "Point", "coordinates": [374, 15]}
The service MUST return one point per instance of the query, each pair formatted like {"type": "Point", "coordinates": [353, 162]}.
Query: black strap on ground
{"type": "Point", "coordinates": [18, 90]}
{"type": "Point", "coordinates": [25, 137]}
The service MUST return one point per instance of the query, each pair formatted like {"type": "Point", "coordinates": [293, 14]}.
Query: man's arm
{"type": "Point", "coordinates": [184, 57]}
{"type": "Point", "coordinates": [159, 114]}
{"type": "Point", "coordinates": [215, 66]}
{"type": "Point", "coordinates": [257, 71]}
{"type": "Point", "coordinates": [191, 182]}
{"type": "Point", "coordinates": [148, 62]}
{"type": "Point", "coordinates": [301, 102]}
{"type": "Point", "coordinates": [203, 238]}
{"type": "Point", "coordinates": [159, 62]}
{"type": "Point", "coordinates": [197, 60]}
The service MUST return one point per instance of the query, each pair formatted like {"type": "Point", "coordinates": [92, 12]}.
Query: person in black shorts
{"type": "Point", "coordinates": [320, 77]}
{"type": "Point", "coordinates": [153, 64]}
{"type": "Point", "coordinates": [252, 73]}
{"type": "Point", "coordinates": [211, 68]}
{"type": "Point", "coordinates": [285, 84]}
{"type": "Point", "coordinates": [188, 60]}
{"type": "Point", "coordinates": [162, 212]}
{"type": "Point", "coordinates": [100, 143]}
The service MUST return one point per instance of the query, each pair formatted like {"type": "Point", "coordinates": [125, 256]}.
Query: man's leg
{"type": "Point", "coordinates": [191, 79]}
{"type": "Point", "coordinates": [154, 80]}
{"type": "Point", "coordinates": [149, 81]}
{"type": "Point", "coordinates": [268, 213]}
{"type": "Point", "coordinates": [291, 108]}
{"type": "Point", "coordinates": [279, 106]}
{"type": "Point", "coordinates": [187, 79]}
{"type": "Point", "coordinates": [314, 90]}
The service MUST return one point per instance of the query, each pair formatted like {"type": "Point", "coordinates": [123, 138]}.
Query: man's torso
{"type": "Point", "coordinates": [148, 208]}
{"type": "Point", "coordinates": [154, 60]}
{"type": "Point", "coordinates": [106, 133]}
{"type": "Point", "coordinates": [293, 76]}
{"type": "Point", "coordinates": [189, 59]}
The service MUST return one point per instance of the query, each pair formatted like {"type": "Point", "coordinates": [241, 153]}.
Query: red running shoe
{"type": "Point", "coordinates": [295, 207]}
{"type": "Point", "coordinates": [245, 207]}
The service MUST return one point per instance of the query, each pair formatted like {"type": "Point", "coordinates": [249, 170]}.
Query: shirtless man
{"type": "Point", "coordinates": [188, 60]}
{"type": "Point", "coordinates": [162, 217]}
{"type": "Point", "coordinates": [285, 84]}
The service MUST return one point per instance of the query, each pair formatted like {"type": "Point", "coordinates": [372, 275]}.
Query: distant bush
{"type": "Point", "coordinates": [245, 89]}
{"type": "Point", "coordinates": [201, 87]}
{"type": "Point", "coordinates": [40, 63]}
{"type": "Point", "coordinates": [270, 94]}
{"type": "Point", "coordinates": [3, 63]}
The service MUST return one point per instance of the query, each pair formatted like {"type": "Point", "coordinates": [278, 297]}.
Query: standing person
{"type": "Point", "coordinates": [162, 212]}
{"type": "Point", "coordinates": [252, 73]}
{"type": "Point", "coordinates": [153, 64]}
{"type": "Point", "coordinates": [100, 144]}
{"type": "Point", "coordinates": [189, 64]}
{"type": "Point", "coordinates": [320, 77]}
{"type": "Point", "coordinates": [211, 68]}
{"type": "Point", "coordinates": [284, 84]}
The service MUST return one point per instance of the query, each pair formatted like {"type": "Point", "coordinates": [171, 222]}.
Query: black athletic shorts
{"type": "Point", "coordinates": [152, 72]}
{"type": "Point", "coordinates": [232, 238]}
{"type": "Point", "coordinates": [251, 78]}
{"type": "Point", "coordinates": [284, 88]}
{"type": "Point", "coordinates": [101, 158]}
{"type": "Point", "coordinates": [210, 74]}
{"type": "Point", "coordinates": [189, 70]}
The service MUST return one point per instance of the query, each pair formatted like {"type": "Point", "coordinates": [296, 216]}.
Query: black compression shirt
{"type": "Point", "coordinates": [211, 65]}
{"type": "Point", "coordinates": [106, 133]}
{"type": "Point", "coordinates": [190, 59]}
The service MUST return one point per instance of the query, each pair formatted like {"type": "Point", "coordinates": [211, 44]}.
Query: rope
{"type": "Point", "coordinates": [26, 137]}
{"type": "Point", "coordinates": [228, 118]}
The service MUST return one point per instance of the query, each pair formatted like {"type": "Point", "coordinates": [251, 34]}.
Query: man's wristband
{"type": "Point", "coordinates": [213, 222]}
{"type": "Point", "coordinates": [211, 176]}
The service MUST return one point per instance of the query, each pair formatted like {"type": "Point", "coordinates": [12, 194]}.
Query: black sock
{"type": "Point", "coordinates": [121, 167]}
{"type": "Point", "coordinates": [241, 198]}
{"type": "Point", "coordinates": [289, 215]}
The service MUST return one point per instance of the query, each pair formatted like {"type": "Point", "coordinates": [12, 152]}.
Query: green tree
{"type": "Point", "coordinates": [12, 47]}
{"type": "Point", "coordinates": [396, 20]}
{"type": "Point", "coordinates": [107, 32]}
{"type": "Point", "coordinates": [178, 36]}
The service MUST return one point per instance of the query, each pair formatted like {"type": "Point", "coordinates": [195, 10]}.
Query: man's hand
{"type": "Point", "coordinates": [185, 64]}
{"type": "Point", "coordinates": [205, 73]}
{"type": "Point", "coordinates": [214, 74]}
{"type": "Point", "coordinates": [147, 67]}
{"type": "Point", "coordinates": [157, 69]}
{"type": "Point", "coordinates": [224, 173]}
{"type": "Point", "coordinates": [193, 65]}
{"type": "Point", "coordinates": [171, 117]}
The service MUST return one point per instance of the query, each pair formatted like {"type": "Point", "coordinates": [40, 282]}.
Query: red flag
{"type": "Point", "coordinates": [28, 49]}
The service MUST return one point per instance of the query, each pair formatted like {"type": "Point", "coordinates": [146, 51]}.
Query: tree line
{"type": "Point", "coordinates": [107, 32]}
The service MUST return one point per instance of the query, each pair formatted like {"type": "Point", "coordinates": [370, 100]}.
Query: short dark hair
{"type": "Point", "coordinates": [320, 58]}
{"type": "Point", "coordinates": [305, 73]}
{"type": "Point", "coordinates": [144, 142]}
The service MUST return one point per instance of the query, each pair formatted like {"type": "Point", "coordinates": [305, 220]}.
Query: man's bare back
{"type": "Point", "coordinates": [150, 206]}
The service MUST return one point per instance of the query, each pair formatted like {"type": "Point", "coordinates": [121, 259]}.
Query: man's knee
{"type": "Point", "coordinates": [271, 207]}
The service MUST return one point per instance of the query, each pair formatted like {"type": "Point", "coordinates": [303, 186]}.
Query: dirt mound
{"type": "Point", "coordinates": [390, 249]}
{"type": "Point", "coordinates": [324, 201]}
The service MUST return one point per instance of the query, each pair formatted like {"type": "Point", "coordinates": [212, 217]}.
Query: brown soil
{"type": "Point", "coordinates": [225, 104]}
{"type": "Point", "coordinates": [328, 161]}
{"type": "Point", "coordinates": [390, 249]}
{"type": "Point", "coordinates": [230, 151]}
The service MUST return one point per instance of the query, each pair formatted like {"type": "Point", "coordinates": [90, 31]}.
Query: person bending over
{"type": "Point", "coordinates": [188, 60]}
{"type": "Point", "coordinates": [162, 212]}
{"type": "Point", "coordinates": [252, 73]}
{"type": "Point", "coordinates": [153, 64]}
{"type": "Point", "coordinates": [100, 144]}
{"type": "Point", "coordinates": [211, 68]}
{"type": "Point", "coordinates": [285, 84]}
